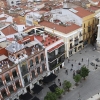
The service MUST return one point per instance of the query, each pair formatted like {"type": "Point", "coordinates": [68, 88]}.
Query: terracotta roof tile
{"type": "Point", "coordinates": [94, 8]}
{"type": "Point", "coordinates": [82, 12]}
{"type": "Point", "coordinates": [3, 18]}
{"type": "Point", "coordinates": [60, 28]}
{"type": "Point", "coordinates": [18, 21]}
{"type": "Point", "coordinates": [55, 47]}
{"type": "Point", "coordinates": [8, 30]}
{"type": "Point", "coordinates": [48, 40]}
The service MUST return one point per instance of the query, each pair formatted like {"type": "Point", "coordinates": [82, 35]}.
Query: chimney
{"type": "Point", "coordinates": [44, 37]}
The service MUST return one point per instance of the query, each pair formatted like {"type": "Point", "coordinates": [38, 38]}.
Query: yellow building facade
{"type": "Point", "coordinates": [88, 27]}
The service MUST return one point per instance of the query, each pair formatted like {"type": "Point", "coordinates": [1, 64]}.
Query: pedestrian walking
{"type": "Point", "coordinates": [71, 69]}
{"type": "Point", "coordinates": [67, 71]}
{"type": "Point", "coordinates": [68, 60]}
{"type": "Point", "coordinates": [82, 59]}
{"type": "Point", "coordinates": [58, 80]}
{"type": "Point", "coordinates": [72, 65]}
{"type": "Point", "coordinates": [60, 84]}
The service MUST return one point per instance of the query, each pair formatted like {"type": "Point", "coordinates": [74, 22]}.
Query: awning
{"type": "Point", "coordinates": [53, 87]}
{"type": "Point", "coordinates": [35, 98]}
{"type": "Point", "coordinates": [49, 78]}
{"type": "Point", "coordinates": [26, 96]}
{"type": "Point", "coordinates": [37, 88]}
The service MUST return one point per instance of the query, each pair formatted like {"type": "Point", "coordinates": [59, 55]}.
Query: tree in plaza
{"type": "Point", "coordinates": [84, 72]}
{"type": "Point", "coordinates": [77, 78]}
{"type": "Point", "coordinates": [58, 92]}
{"type": "Point", "coordinates": [67, 85]}
{"type": "Point", "coordinates": [50, 96]}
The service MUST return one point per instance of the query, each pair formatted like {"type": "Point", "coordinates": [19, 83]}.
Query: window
{"type": "Point", "coordinates": [4, 94]}
{"type": "Point", "coordinates": [37, 60]}
{"type": "Point", "coordinates": [17, 84]}
{"type": "Point", "coordinates": [38, 70]}
{"type": "Point", "coordinates": [42, 57]}
{"type": "Point", "coordinates": [24, 69]}
{"type": "Point", "coordinates": [1, 83]}
{"type": "Point", "coordinates": [11, 89]}
{"type": "Point", "coordinates": [43, 67]}
{"type": "Point", "coordinates": [89, 28]}
{"type": "Point", "coordinates": [7, 77]}
{"type": "Point", "coordinates": [84, 25]}
{"type": "Point", "coordinates": [31, 63]}
{"type": "Point", "coordinates": [33, 74]}
{"type": "Point", "coordinates": [71, 46]}
{"type": "Point", "coordinates": [14, 73]}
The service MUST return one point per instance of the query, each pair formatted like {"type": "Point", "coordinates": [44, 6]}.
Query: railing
{"type": "Point", "coordinates": [53, 67]}
{"type": "Point", "coordinates": [26, 83]}
{"type": "Point", "coordinates": [76, 44]}
{"type": "Point", "coordinates": [24, 72]}
{"type": "Point", "coordinates": [81, 41]}
{"type": "Point", "coordinates": [56, 56]}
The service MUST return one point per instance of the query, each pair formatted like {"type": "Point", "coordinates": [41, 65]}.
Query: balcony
{"type": "Point", "coordinates": [76, 44]}
{"type": "Point", "coordinates": [56, 56]}
{"type": "Point", "coordinates": [24, 72]}
{"type": "Point", "coordinates": [71, 47]}
{"type": "Point", "coordinates": [55, 66]}
{"type": "Point", "coordinates": [70, 40]}
{"type": "Point", "coordinates": [81, 41]}
{"type": "Point", "coordinates": [17, 60]}
{"type": "Point", "coordinates": [2, 87]}
{"type": "Point", "coordinates": [16, 78]}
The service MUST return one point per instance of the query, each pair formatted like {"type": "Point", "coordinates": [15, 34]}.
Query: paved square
{"type": "Point", "coordinates": [88, 87]}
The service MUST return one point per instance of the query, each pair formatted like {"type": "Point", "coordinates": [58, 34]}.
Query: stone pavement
{"type": "Point", "coordinates": [88, 87]}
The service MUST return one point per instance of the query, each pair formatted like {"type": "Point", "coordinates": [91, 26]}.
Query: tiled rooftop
{"type": "Point", "coordinates": [3, 18]}
{"type": "Point", "coordinates": [8, 30]}
{"type": "Point", "coordinates": [82, 12]}
{"type": "Point", "coordinates": [60, 28]}
{"type": "Point", "coordinates": [49, 40]}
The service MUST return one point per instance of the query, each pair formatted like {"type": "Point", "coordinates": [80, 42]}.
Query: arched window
{"type": "Point", "coordinates": [38, 70]}
{"type": "Point", "coordinates": [42, 57]}
{"type": "Point", "coordinates": [1, 83]}
{"type": "Point", "coordinates": [14, 73]}
{"type": "Point", "coordinates": [7, 77]}
{"type": "Point", "coordinates": [43, 67]}
{"type": "Point", "coordinates": [31, 63]}
{"type": "Point", "coordinates": [37, 60]}
{"type": "Point", "coordinates": [33, 74]}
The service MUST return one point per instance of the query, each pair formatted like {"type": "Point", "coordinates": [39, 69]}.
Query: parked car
{"type": "Point", "coordinates": [97, 59]}
{"type": "Point", "coordinates": [92, 64]}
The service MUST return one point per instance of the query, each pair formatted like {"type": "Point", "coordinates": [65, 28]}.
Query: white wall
{"type": "Point", "coordinates": [66, 16]}
{"type": "Point", "coordinates": [20, 28]}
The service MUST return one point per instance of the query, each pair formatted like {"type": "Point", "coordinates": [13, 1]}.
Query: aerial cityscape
{"type": "Point", "coordinates": [49, 49]}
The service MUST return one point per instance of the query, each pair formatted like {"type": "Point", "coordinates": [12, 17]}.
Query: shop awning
{"type": "Point", "coordinates": [49, 78]}
{"type": "Point", "coordinates": [35, 98]}
{"type": "Point", "coordinates": [26, 96]}
{"type": "Point", "coordinates": [53, 87]}
{"type": "Point", "coordinates": [37, 88]}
